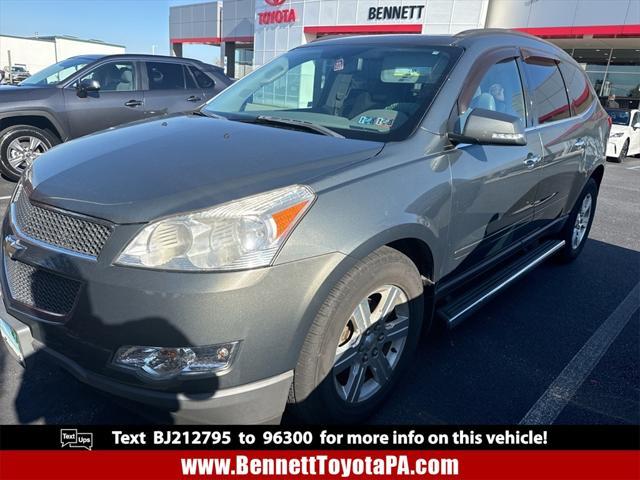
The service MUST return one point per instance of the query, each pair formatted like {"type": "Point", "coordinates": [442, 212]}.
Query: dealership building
{"type": "Point", "coordinates": [602, 35]}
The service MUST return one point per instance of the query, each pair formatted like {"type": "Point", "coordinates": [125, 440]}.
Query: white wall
{"type": "Point", "coordinates": [38, 54]}
{"type": "Point", "coordinates": [568, 13]}
{"type": "Point", "coordinates": [35, 54]}
{"type": "Point", "coordinates": [438, 17]}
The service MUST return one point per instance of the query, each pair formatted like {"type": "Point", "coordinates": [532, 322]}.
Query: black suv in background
{"type": "Point", "coordinates": [84, 94]}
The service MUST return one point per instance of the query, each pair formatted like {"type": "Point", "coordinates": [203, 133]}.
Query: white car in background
{"type": "Point", "coordinates": [624, 139]}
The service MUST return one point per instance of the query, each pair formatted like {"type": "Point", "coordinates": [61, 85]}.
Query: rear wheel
{"type": "Point", "coordinates": [360, 342]}
{"type": "Point", "coordinates": [579, 223]}
{"type": "Point", "coordinates": [20, 146]}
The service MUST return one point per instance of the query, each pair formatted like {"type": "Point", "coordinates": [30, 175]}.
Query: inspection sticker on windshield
{"type": "Point", "coordinates": [338, 65]}
{"type": "Point", "coordinates": [377, 121]}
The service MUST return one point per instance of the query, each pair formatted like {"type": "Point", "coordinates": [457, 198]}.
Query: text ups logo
{"type": "Point", "coordinates": [275, 3]}
{"type": "Point", "coordinates": [73, 439]}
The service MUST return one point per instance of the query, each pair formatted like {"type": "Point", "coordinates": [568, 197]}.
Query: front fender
{"type": "Point", "coordinates": [62, 130]}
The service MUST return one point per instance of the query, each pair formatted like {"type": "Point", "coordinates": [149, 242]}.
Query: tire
{"type": "Point", "coordinates": [623, 152]}
{"type": "Point", "coordinates": [43, 141]}
{"type": "Point", "coordinates": [320, 391]}
{"type": "Point", "coordinates": [572, 249]}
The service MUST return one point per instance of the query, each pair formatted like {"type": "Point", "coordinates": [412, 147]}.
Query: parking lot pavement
{"type": "Point", "coordinates": [574, 328]}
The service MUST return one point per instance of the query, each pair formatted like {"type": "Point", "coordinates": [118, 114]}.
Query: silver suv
{"type": "Point", "coordinates": [287, 243]}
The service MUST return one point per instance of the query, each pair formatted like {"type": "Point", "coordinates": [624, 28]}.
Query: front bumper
{"type": "Point", "coordinates": [260, 402]}
{"type": "Point", "coordinates": [613, 148]}
{"type": "Point", "coordinates": [268, 310]}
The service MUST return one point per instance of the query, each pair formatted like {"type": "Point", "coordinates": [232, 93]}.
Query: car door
{"type": "Point", "coordinates": [170, 88]}
{"type": "Point", "coordinates": [493, 185]}
{"type": "Point", "coordinates": [119, 99]}
{"type": "Point", "coordinates": [565, 138]}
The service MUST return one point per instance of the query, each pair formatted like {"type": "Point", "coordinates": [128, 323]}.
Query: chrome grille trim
{"type": "Point", "coordinates": [52, 229]}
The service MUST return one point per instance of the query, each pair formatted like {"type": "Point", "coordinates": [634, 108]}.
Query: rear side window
{"type": "Point", "coordinates": [548, 92]}
{"type": "Point", "coordinates": [166, 76]}
{"type": "Point", "coordinates": [580, 93]}
{"type": "Point", "coordinates": [204, 81]}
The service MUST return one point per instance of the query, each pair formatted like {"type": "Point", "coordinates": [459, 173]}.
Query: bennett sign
{"type": "Point", "coordinates": [276, 16]}
{"type": "Point", "coordinates": [407, 12]}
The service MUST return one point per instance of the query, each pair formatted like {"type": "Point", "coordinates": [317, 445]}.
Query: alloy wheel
{"type": "Point", "coordinates": [22, 151]}
{"type": "Point", "coordinates": [582, 221]}
{"type": "Point", "coordinates": [371, 344]}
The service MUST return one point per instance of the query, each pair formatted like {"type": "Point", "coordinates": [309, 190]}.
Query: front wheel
{"type": "Point", "coordinates": [21, 145]}
{"type": "Point", "coordinates": [360, 342]}
{"type": "Point", "coordinates": [623, 152]}
{"type": "Point", "coordinates": [579, 223]}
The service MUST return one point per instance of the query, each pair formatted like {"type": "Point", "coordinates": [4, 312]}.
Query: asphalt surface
{"type": "Point", "coordinates": [574, 328]}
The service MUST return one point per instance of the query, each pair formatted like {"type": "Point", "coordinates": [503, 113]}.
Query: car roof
{"type": "Point", "coordinates": [141, 56]}
{"type": "Point", "coordinates": [490, 37]}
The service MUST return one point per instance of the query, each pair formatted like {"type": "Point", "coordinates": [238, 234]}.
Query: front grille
{"type": "Point", "coordinates": [58, 229]}
{"type": "Point", "coordinates": [40, 289]}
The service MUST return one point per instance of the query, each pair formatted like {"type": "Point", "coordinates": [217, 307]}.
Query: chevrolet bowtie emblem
{"type": "Point", "coordinates": [12, 245]}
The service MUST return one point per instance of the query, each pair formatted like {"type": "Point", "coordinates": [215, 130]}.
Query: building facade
{"type": "Point", "coordinates": [603, 35]}
{"type": "Point", "coordinates": [38, 53]}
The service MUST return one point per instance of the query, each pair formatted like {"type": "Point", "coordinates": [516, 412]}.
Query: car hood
{"type": "Point", "coordinates": [14, 96]}
{"type": "Point", "coordinates": [175, 164]}
{"type": "Point", "coordinates": [617, 128]}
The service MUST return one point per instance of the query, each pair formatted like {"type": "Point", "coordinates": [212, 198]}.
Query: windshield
{"type": "Point", "coordinates": [358, 91]}
{"type": "Point", "coordinates": [57, 72]}
{"type": "Point", "coordinates": [619, 117]}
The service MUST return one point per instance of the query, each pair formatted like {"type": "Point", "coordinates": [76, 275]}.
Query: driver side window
{"type": "Point", "coordinates": [500, 90]}
{"type": "Point", "coordinates": [114, 76]}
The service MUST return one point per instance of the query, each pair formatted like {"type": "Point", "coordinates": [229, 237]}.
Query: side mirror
{"type": "Point", "coordinates": [636, 126]}
{"type": "Point", "coordinates": [87, 85]}
{"type": "Point", "coordinates": [487, 127]}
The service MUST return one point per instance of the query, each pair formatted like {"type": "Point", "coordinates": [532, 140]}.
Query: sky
{"type": "Point", "coordinates": [136, 24]}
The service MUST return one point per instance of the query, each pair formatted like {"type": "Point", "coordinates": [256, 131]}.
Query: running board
{"type": "Point", "coordinates": [462, 306]}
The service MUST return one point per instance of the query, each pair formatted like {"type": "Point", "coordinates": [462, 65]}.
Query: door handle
{"type": "Point", "coordinates": [532, 160]}
{"type": "Point", "coordinates": [580, 143]}
{"type": "Point", "coordinates": [133, 103]}
{"type": "Point", "coordinates": [193, 98]}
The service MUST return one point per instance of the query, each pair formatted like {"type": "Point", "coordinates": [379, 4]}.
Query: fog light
{"type": "Point", "coordinates": [162, 363]}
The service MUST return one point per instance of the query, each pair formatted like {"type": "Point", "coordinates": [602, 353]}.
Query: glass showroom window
{"type": "Point", "coordinates": [611, 71]}
{"type": "Point", "coordinates": [623, 75]}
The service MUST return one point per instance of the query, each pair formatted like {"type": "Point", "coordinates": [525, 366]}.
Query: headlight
{"type": "Point", "coordinates": [241, 234]}
{"type": "Point", "coordinates": [162, 363]}
{"type": "Point", "coordinates": [616, 135]}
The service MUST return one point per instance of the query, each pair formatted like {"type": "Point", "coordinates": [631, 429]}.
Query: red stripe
{"type": "Point", "coordinates": [196, 40]}
{"type": "Point", "coordinates": [156, 465]}
{"type": "Point", "coordinates": [376, 28]}
{"type": "Point", "coordinates": [579, 31]}
{"type": "Point", "coordinates": [245, 39]}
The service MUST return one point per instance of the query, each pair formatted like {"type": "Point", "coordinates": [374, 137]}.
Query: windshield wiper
{"type": "Point", "coordinates": [201, 113]}
{"type": "Point", "coordinates": [300, 124]}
